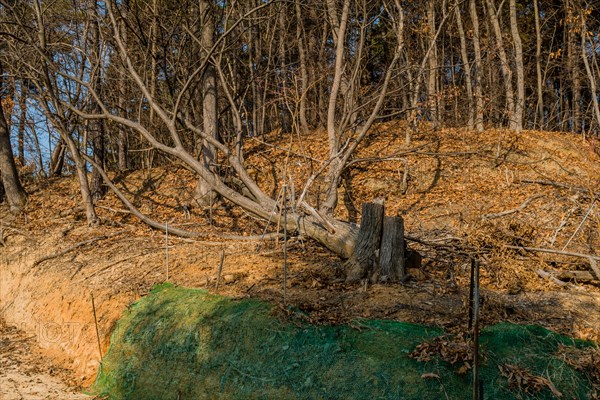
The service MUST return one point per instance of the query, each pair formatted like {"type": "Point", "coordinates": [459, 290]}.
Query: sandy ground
{"type": "Point", "coordinates": [26, 374]}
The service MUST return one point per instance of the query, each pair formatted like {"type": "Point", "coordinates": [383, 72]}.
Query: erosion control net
{"type": "Point", "coordinates": [179, 343]}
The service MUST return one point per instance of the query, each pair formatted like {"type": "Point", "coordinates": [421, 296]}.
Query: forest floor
{"type": "Point", "coordinates": [468, 194]}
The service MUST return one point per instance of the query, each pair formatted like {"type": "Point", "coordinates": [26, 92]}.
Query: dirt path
{"type": "Point", "coordinates": [25, 373]}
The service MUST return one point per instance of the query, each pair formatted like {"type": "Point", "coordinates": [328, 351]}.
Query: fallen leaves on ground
{"type": "Point", "coordinates": [453, 349]}
{"type": "Point", "coordinates": [522, 379]}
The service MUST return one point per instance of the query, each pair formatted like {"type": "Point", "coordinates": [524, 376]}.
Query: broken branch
{"type": "Point", "coordinates": [74, 247]}
{"type": "Point", "coordinates": [514, 210]}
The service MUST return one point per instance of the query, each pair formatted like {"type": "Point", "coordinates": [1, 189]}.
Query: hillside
{"type": "Point", "coordinates": [466, 194]}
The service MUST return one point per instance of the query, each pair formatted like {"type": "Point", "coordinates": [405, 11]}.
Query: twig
{"type": "Point", "coordinates": [592, 259]}
{"type": "Point", "coordinates": [562, 185]}
{"type": "Point", "coordinates": [269, 220]}
{"type": "Point", "coordinates": [134, 211]}
{"type": "Point", "coordinates": [580, 225]}
{"type": "Point", "coordinates": [267, 236]}
{"type": "Point", "coordinates": [594, 266]}
{"type": "Point", "coordinates": [552, 251]}
{"type": "Point", "coordinates": [74, 247]}
{"type": "Point", "coordinates": [458, 249]}
{"type": "Point", "coordinates": [562, 225]}
{"type": "Point", "coordinates": [319, 172]}
{"type": "Point", "coordinates": [220, 270]}
{"type": "Point", "coordinates": [10, 228]}
{"type": "Point", "coordinates": [552, 278]}
{"type": "Point", "coordinates": [286, 150]}
{"type": "Point", "coordinates": [404, 184]}
{"type": "Point", "coordinates": [392, 157]}
{"type": "Point", "coordinates": [514, 210]}
{"type": "Point", "coordinates": [115, 210]}
{"type": "Point", "coordinates": [109, 266]}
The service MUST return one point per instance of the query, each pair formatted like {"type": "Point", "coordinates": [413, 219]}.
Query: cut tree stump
{"type": "Point", "coordinates": [364, 258]}
{"type": "Point", "coordinates": [391, 255]}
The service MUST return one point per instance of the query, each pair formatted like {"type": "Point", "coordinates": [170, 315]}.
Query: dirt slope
{"type": "Point", "coordinates": [26, 374]}
{"type": "Point", "coordinates": [465, 191]}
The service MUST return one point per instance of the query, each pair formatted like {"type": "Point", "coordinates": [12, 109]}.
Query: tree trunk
{"type": "Point", "coordinates": [22, 122]}
{"type": "Point", "coordinates": [364, 258]}
{"type": "Point", "coordinates": [339, 33]}
{"type": "Point", "coordinates": [573, 67]}
{"type": "Point", "coordinates": [520, 101]}
{"type": "Point", "coordinates": [285, 116]}
{"type": "Point", "coordinates": [204, 194]}
{"type": "Point", "coordinates": [84, 187]}
{"type": "Point", "coordinates": [57, 159]}
{"type": "Point", "coordinates": [97, 188]}
{"type": "Point", "coordinates": [15, 194]}
{"type": "Point", "coordinates": [96, 127]}
{"type": "Point", "coordinates": [590, 73]}
{"type": "Point", "coordinates": [538, 68]}
{"type": "Point", "coordinates": [122, 102]}
{"type": "Point", "coordinates": [466, 67]}
{"type": "Point", "coordinates": [303, 70]}
{"type": "Point", "coordinates": [56, 117]}
{"type": "Point", "coordinates": [506, 71]}
{"type": "Point", "coordinates": [391, 255]}
{"type": "Point", "coordinates": [433, 65]}
{"type": "Point", "coordinates": [478, 67]}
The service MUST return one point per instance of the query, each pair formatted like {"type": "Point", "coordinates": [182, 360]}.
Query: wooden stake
{"type": "Point", "coordinates": [97, 331]}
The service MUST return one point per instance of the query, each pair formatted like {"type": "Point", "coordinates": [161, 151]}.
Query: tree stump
{"type": "Point", "coordinates": [391, 255]}
{"type": "Point", "coordinates": [364, 258]}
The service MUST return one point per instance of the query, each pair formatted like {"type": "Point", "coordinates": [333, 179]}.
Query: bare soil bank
{"type": "Point", "coordinates": [51, 262]}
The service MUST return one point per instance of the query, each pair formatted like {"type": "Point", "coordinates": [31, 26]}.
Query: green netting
{"type": "Point", "coordinates": [188, 344]}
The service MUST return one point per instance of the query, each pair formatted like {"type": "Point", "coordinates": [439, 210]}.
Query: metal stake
{"type": "Point", "coordinates": [476, 383]}
{"type": "Point", "coordinates": [285, 244]}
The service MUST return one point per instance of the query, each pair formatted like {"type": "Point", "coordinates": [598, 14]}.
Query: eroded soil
{"type": "Point", "coordinates": [25, 374]}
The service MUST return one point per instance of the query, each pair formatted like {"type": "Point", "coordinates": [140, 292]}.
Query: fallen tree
{"type": "Point", "coordinates": [180, 125]}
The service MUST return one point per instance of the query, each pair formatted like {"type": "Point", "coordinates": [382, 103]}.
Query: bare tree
{"type": "Point", "coordinates": [505, 65]}
{"type": "Point", "coordinates": [432, 61]}
{"type": "Point", "coordinates": [586, 63]}
{"type": "Point", "coordinates": [190, 82]}
{"type": "Point", "coordinates": [539, 116]}
{"type": "Point", "coordinates": [204, 195]}
{"type": "Point", "coordinates": [12, 188]}
{"type": "Point", "coordinates": [520, 100]}
{"type": "Point", "coordinates": [466, 65]}
{"type": "Point", "coordinates": [572, 58]}
{"type": "Point", "coordinates": [478, 67]}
